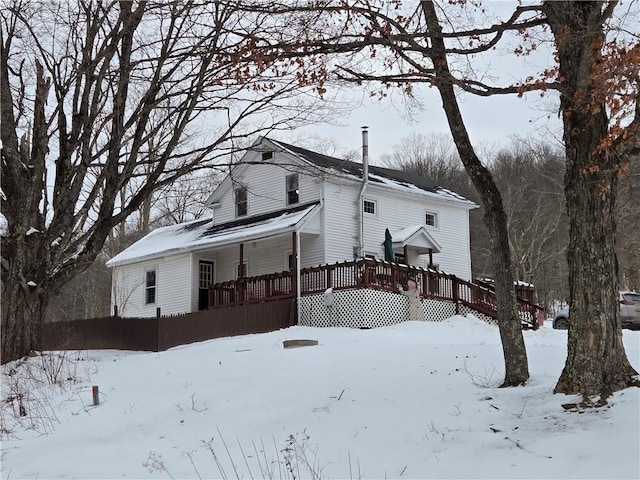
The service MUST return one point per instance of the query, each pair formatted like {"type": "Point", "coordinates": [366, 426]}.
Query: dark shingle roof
{"type": "Point", "coordinates": [353, 168]}
{"type": "Point", "coordinates": [243, 222]}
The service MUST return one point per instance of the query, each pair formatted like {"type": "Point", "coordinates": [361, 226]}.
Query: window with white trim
{"type": "Point", "coordinates": [241, 272]}
{"type": "Point", "coordinates": [241, 201]}
{"type": "Point", "coordinates": [289, 261]}
{"type": "Point", "coordinates": [150, 279]}
{"type": "Point", "coordinates": [431, 219]}
{"type": "Point", "coordinates": [293, 188]}
{"type": "Point", "coordinates": [370, 207]}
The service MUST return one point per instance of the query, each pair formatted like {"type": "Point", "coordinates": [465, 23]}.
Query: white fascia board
{"type": "Point", "coordinates": [236, 238]}
{"type": "Point", "coordinates": [419, 193]}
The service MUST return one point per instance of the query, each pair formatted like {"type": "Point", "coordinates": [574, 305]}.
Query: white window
{"type": "Point", "coordinates": [431, 219]}
{"type": "Point", "coordinates": [289, 261]}
{"type": "Point", "coordinates": [150, 286]}
{"type": "Point", "coordinates": [241, 272]}
{"type": "Point", "coordinates": [241, 201]}
{"type": "Point", "coordinates": [293, 189]}
{"type": "Point", "coordinates": [370, 207]}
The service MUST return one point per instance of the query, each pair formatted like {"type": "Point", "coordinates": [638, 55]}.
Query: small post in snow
{"type": "Point", "coordinates": [96, 395]}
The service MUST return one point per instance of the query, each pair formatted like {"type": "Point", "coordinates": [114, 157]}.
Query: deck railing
{"type": "Point", "coordinates": [370, 273]}
{"type": "Point", "coordinates": [252, 289]}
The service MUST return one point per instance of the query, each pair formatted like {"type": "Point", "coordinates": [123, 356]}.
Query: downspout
{"type": "Point", "coordinates": [363, 188]}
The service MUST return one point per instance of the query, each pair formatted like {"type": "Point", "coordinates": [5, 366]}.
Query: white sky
{"type": "Point", "coordinates": [416, 400]}
{"type": "Point", "coordinates": [491, 121]}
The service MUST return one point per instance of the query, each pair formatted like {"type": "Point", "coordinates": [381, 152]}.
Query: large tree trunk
{"type": "Point", "coordinates": [513, 348]}
{"type": "Point", "coordinates": [22, 320]}
{"type": "Point", "coordinates": [596, 360]}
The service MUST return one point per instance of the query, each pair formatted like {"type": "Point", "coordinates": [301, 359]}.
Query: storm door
{"type": "Point", "coordinates": [205, 277]}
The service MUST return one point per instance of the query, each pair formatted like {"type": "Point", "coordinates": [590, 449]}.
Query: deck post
{"type": "Point", "coordinates": [294, 276]}
{"type": "Point", "coordinates": [455, 293]}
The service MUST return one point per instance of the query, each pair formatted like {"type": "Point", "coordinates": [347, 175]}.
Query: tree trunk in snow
{"type": "Point", "coordinates": [514, 351]}
{"type": "Point", "coordinates": [596, 360]}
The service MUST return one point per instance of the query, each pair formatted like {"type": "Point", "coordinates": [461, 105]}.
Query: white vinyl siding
{"type": "Point", "coordinates": [266, 190]}
{"type": "Point", "coordinates": [173, 293]}
{"type": "Point", "coordinates": [396, 212]}
{"type": "Point", "coordinates": [341, 218]}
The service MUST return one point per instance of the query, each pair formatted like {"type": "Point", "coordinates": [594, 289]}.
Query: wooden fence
{"type": "Point", "coordinates": [163, 332]}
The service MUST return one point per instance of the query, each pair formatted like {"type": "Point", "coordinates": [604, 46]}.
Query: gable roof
{"type": "Point", "coordinates": [203, 234]}
{"type": "Point", "coordinates": [376, 174]}
{"type": "Point", "coordinates": [417, 237]}
{"type": "Point", "coordinates": [381, 176]}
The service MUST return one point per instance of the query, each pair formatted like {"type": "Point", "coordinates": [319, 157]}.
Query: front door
{"type": "Point", "coordinates": [205, 281]}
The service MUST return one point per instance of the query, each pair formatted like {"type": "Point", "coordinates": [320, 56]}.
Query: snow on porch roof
{"type": "Point", "coordinates": [201, 234]}
{"type": "Point", "coordinates": [417, 237]}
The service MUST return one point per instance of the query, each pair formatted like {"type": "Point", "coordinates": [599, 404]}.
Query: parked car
{"type": "Point", "coordinates": [629, 312]}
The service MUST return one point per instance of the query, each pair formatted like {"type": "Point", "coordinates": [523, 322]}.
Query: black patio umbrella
{"type": "Point", "coordinates": [388, 246]}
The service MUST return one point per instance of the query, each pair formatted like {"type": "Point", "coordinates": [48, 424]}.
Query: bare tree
{"type": "Point", "coordinates": [104, 103]}
{"type": "Point", "coordinates": [530, 176]}
{"type": "Point", "coordinates": [433, 156]}
{"type": "Point", "coordinates": [594, 67]}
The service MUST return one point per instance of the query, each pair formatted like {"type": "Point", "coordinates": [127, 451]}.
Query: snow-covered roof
{"type": "Point", "coordinates": [385, 177]}
{"type": "Point", "coordinates": [202, 234]}
{"type": "Point", "coordinates": [416, 236]}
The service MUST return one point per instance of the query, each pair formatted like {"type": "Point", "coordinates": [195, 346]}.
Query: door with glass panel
{"type": "Point", "coordinates": [205, 281]}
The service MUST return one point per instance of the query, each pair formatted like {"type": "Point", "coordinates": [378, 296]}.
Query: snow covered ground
{"type": "Point", "coordinates": [416, 400]}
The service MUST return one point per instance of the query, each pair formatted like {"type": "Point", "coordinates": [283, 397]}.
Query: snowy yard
{"type": "Point", "coordinates": [416, 400]}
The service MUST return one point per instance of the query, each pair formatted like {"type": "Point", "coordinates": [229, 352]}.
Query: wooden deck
{"type": "Point", "coordinates": [375, 274]}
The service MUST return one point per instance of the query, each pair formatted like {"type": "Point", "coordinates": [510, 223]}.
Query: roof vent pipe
{"type": "Point", "coordinates": [365, 153]}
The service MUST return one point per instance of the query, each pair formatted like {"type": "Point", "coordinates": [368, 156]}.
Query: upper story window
{"type": "Point", "coordinates": [241, 201]}
{"type": "Point", "coordinates": [267, 155]}
{"type": "Point", "coordinates": [293, 189]}
{"type": "Point", "coordinates": [369, 207]}
{"type": "Point", "coordinates": [149, 287]}
{"type": "Point", "coordinates": [431, 219]}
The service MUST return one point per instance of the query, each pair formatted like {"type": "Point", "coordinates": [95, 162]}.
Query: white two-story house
{"type": "Point", "coordinates": [284, 208]}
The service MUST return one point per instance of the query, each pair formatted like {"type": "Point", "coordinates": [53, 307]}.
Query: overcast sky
{"type": "Point", "coordinates": [490, 120]}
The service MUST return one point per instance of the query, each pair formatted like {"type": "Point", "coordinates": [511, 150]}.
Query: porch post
{"type": "Point", "coordinates": [431, 258]}
{"type": "Point", "coordinates": [294, 252]}
{"type": "Point", "coordinates": [240, 282]}
{"type": "Point", "coordinates": [405, 252]}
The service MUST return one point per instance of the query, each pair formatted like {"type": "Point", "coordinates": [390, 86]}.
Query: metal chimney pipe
{"type": "Point", "coordinates": [365, 153]}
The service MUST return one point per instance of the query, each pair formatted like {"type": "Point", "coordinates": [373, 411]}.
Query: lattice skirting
{"type": "Point", "coordinates": [464, 309]}
{"type": "Point", "coordinates": [368, 308]}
